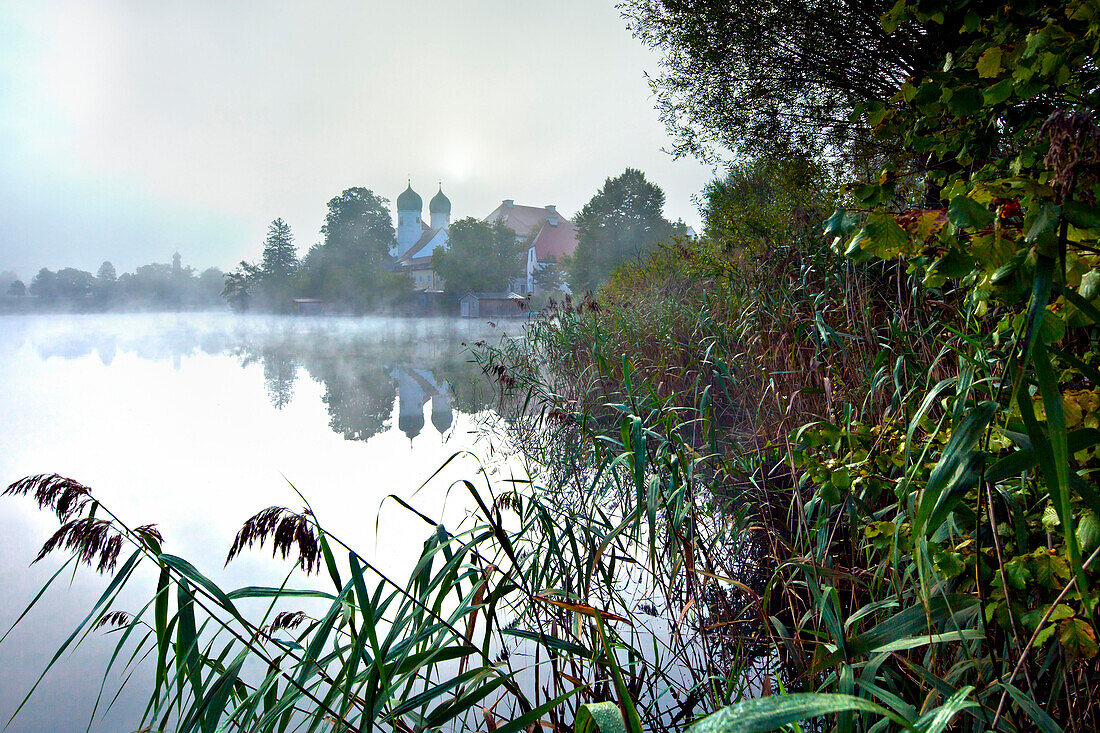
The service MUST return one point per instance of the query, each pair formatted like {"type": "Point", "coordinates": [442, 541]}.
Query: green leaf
{"type": "Point", "coordinates": [999, 92]}
{"type": "Point", "coordinates": [770, 713]}
{"type": "Point", "coordinates": [633, 721]}
{"type": "Point", "coordinates": [965, 101]}
{"type": "Point", "coordinates": [1038, 716]}
{"type": "Point", "coordinates": [1049, 570]}
{"type": "Point", "coordinates": [947, 611]}
{"type": "Point", "coordinates": [1043, 223]}
{"type": "Point", "coordinates": [840, 224]}
{"type": "Point", "coordinates": [523, 721]}
{"type": "Point", "coordinates": [934, 721]}
{"type": "Point", "coordinates": [882, 236]}
{"type": "Point", "coordinates": [550, 642]}
{"type": "Point", "coordinates": [256, 591]}
{"type": "Point", "coordinates": [1043, 636]}
{"type": "Point", "coordinates": [1081, 215]}
{"type": "Point", "coordinates": [989, 63]}
{"type": "Point", "coordinates": [967, 213]}
{"type": "Point", "coordinates": [1088, 532]}
{"type": "Point", "coordinates": [599, 717]}
{"type": "Point", "coordinates": [1078, 638]}
{"type": "Point", "coordinates": [957, 470]}
{"type": "Point", "coordinates": [1017, 573]}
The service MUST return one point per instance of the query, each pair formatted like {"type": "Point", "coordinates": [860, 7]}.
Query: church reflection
{"type": "Point", "coordinates": [372, 381]}
{"type": "Point", "coordinates": [415, 387]}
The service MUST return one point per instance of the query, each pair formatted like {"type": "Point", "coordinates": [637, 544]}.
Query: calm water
{"type": "Point", "coordinates": [197, 421]}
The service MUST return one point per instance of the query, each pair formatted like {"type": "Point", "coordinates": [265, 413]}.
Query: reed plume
{"type": "Point", "coordinates": [286, 530]}
{"type": "Point", "coordinates": [63, 496]}
{"type": "Point", "coordinates": [95, 542]}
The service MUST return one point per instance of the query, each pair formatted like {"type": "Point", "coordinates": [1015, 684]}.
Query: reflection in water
{"type": "Point", "coordinates": [414, 388]}
{"type": "Point", "coordinates": [258, 408]}
{"type": "Point", "coordinates": [364, 367]}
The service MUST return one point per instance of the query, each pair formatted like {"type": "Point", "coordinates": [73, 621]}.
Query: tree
{"type": "Point", "coordinates": [106, 282]}
{"type": "Point", "coordinates": [17, 288]}
{"type": "Point", "coordinates": [621, 223]}
{"type": "Point", "coordinates": [350, 268]}
{"type": "Point", "coordinates": [44, 283]}
{"type": "Point", "coordinates": [280, 260]}
{"type": "Point", "coordinates": [479, 256]}
{"type": "Point", "coordinates": [106, 273]}
{"type": "Point", "coordinates": [548, 276]}
{"type": "Point", "coordinates": [155, 283]}
{"type": "Point", "coordinates": [73, 283]}
{"type": "Point", "coordinates": [240, 285]}
{"type": "Point", "coordinates": [210, 285]}
{"type": "Point", "coordinates": [743, 75]}
{"type": "Point", "coordinates": [769, 200]}
{"type": "Point", "coordinates": [358, 228]}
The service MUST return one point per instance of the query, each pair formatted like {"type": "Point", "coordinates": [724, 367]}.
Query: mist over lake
{"type": "Point", "coordinates": [197, 421]}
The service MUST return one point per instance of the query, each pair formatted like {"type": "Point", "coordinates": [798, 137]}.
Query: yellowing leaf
{"type": "Point", "coordinates": [1078, 638]}
{"type": "Point", "coordinates": [1048, 568]}
{"type": "Point", "coordinates": [989, 64]}
{"type": "Point", "coordinates": [583, 609]}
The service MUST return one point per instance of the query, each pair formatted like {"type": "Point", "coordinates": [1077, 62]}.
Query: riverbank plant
{"type": "Point", "coordinates": [782, 478]}
{"type": "Point", "coordinates": [909, 402]}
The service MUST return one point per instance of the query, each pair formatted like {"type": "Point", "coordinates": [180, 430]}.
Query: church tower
{"type": "Point", "coordinates": [440, 209]}
{"type": "Point", "coordinates": [409, 227]}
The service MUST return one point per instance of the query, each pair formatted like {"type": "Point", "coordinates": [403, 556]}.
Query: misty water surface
{"type": "Point", "coordinates": [195, 422]}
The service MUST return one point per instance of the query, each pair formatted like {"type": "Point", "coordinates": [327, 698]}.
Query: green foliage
{"type": "Point", "coordinates": [358, 229]}
{"type": "Point", "coordinates": [347, 282]}
{"type": "Point", "coordinates": [753, 77]}
{"type": "Point", "coordinates": [858, 468]}
{"type": "Point", "coordinates": [106, 273]}
{"type": "Point", "coordinates": [769, 201]}
{"type": "Point", "coordinates": [622, 223]}
{"type": "Point", "coordinates": [349, 271]}
{"type": "Point", "coordinates": [935, 513]}
{"type": "Point", "coordinates": [549, 277]}
{"type": "Point", "coordinates": [479, 257]}
{"type": "Point", "coordinates": [280, 261]}
{"type": "Point", "coordinates": [241, 284]}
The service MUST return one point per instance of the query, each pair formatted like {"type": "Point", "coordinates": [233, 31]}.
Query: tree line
{"type": "Point", "coordinates": [156, 285]}
{"type": "Point", "coordinates": [352, 266]}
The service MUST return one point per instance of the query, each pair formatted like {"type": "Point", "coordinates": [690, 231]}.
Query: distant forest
{"type": "Point", "coordinates": [156, 286]}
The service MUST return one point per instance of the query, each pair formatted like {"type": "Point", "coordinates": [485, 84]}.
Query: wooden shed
{"type": "Point", "coordinates": [491, 305]}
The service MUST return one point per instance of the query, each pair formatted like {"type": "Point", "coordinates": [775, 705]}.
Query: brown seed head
{"type": "Point", "coordinates": [286, 530]}
{"type": "Point", "coordinates": [93, 541]}
{"type": "Point", "coordinates": [63, 496]}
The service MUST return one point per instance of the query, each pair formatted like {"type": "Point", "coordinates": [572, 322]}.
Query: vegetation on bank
{"type": "Point", "coordinates": [157, 285]}
{"type": "Point", "coordinates": [779, 477]}
{"type": "Point", "coordinates": [902, 413]}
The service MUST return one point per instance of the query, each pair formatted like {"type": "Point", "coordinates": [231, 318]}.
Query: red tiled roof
{"type": "Point", "coordinates": [556, 242]}
{"type": "Point", "coordinates": [522, 219]}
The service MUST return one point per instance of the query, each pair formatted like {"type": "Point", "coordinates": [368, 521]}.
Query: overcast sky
{"type": "Point", "coordinates": [129, 130]}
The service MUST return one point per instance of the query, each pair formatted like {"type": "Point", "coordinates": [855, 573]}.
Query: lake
{"type": "Point", "coordinates": [195, 422]}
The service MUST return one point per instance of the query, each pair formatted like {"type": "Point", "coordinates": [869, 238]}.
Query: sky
{"type": "Point", "coordinates": [133, 129]}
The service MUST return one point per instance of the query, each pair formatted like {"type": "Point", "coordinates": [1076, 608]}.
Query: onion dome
{"type": "Point", "coordinates": [441, 414]}
{"type": "Point", "coordinates": [411, 423]}
{"type": "Point", "coordinates": [410, 200]}
{"type": "Point", "coordinates": [440, 204]}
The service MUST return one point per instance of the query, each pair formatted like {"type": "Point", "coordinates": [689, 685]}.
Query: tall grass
{"type": "Point", "coordinates": [780, 480]}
